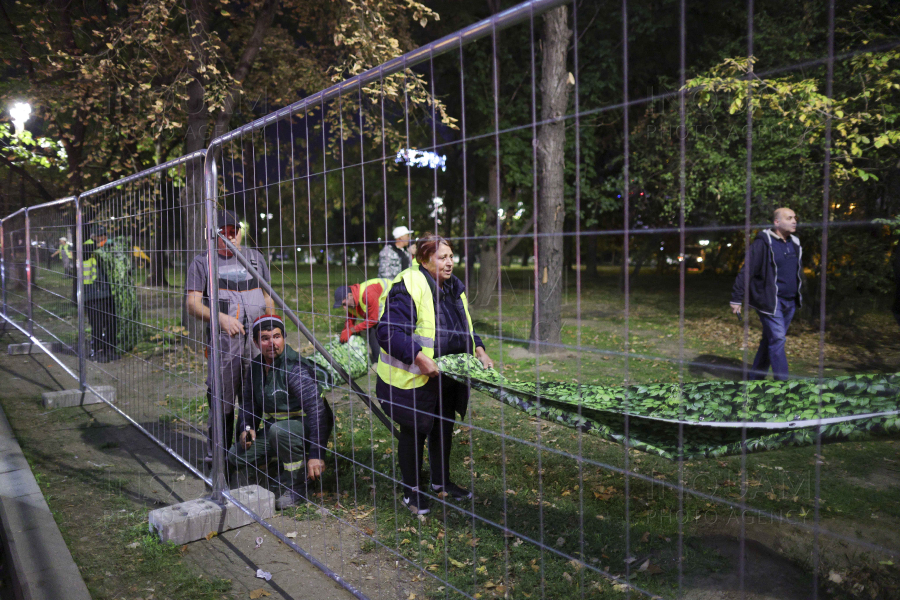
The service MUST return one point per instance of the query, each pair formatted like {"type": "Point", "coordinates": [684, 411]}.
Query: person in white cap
{"type": "Point", "coordinates": [393, 258]}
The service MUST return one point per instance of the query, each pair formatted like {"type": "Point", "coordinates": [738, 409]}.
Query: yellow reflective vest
{"type": "Point", "coordinates": [391, 370]}
{"type": "Point", "coordinates": [384, 283]}
{"type": "Point", "coordinates": [89, 268]}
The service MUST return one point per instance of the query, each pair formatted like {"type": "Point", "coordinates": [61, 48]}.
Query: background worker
{"type": "Point", "coordinates": [395, 257]}
{"type": "Point", "coordinates": [281, 390]}
{"type": "Point", "coordinates": [64, 252]}
{"type": "Point", "coordinates": [776, 285]}
{"type": "Point", "coordinates": [241, 301]}
{"type": "Point", "coordinates": [361, 300]}
{"type": "Point", "coordinates": [425, 316]}
{"type": "Point", "coordinates": [99, 305]}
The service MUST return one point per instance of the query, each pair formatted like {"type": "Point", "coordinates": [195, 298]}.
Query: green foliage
{"type": "Point", "coordinates": [655, 410]}
{"type": "Point", "coordinates": [116, 259]}
{"type": "Point", "coordinates": [39, 152]}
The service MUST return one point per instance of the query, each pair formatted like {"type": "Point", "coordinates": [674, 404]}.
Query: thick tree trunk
{"type": "Point", "coordinates": [546, 322]}
{"type": "Point", "coordinates": [192, 213]}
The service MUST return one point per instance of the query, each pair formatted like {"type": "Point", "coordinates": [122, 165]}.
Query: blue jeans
{"type": "Point", "coordinates": [771, 347]}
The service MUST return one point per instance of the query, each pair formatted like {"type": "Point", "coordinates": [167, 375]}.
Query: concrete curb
{"type": "Point", "coordinates": [40, 564]}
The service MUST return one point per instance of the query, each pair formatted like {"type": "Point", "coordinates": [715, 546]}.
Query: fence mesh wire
{"type": "Point", "coordinates": [618, 431]}
{"type": "Point", "coordinates": [14, 257]}
{"type": "Point", "coordinates": [138, 245]}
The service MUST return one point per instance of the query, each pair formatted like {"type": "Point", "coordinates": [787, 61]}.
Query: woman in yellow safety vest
{"type": "Point", "coordinates": [425, 315]}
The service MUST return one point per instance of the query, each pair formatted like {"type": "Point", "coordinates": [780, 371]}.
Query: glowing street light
{"type": "Point", "coordinates": [20, 111]}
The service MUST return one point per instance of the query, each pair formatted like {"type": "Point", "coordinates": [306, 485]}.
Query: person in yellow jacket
{"type": "Point", "coordinates": [425, 315]}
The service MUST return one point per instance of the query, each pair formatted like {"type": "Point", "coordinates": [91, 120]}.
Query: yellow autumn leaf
{"type": "Point", "coordinates": [259, 593]}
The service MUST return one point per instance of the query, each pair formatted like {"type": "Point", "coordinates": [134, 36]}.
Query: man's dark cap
{"type": "Point", "coordinates": [226, 217]}
{"type": "Point", "coordinates": [267, 323]}
{"type": "Point", "coordinates": [98, 231]}
{"type": "Point", "coordinates": [339, 295]}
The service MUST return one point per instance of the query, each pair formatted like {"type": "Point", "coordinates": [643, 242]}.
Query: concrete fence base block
{"type": "Point", "coordinates": [195, 519]}
{"type": "Point", "coordinates": [54, 347]}
{"type": "Point", "coordinates": [23, 348]}
{"type": "Point", "coordinates": [67, 398]}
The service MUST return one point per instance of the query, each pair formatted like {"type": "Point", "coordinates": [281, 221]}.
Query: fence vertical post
{"type": "Point", "coordinates": [216, 410]}
{"type": "Point", "coordinates": [28, 273]}
{"type": "Point", "coordinates": [79, 292]}
{"type": "Point", "coordinates": [3, 264]}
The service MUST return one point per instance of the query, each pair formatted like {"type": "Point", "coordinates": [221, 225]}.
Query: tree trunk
{"type": "Point", "coordinates": [546, 322]}
{"type": "Point", "coordinates": [488, 274]}
{"type": "Point", "coordinates": [590, 256]}
{"type": "Point", "coordinates": [192, 213]}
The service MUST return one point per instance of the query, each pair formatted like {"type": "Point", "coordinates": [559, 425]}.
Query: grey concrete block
{"type": "Point", "coordinates": [6, 431]}
{"type": "Point", "coordinates": [14, 484]}
{"type": "Point", "coordinates": [195, 519]}
{"type": "Point", "coordinates": [66, 398]}
{"type": "Point", "coordinates": [23, 348]}
{"type": "Point", "coordinates": [12, 460]}
{"type": "Point", "coordinates": [39, 549]}
{"type": "Point", "coordinates": [25, 513]}
{"type": "Point", "coordinates": [59, 582]}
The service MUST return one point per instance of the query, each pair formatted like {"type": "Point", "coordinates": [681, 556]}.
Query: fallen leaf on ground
{"type": "Point", "coordinates": [211, 535]}
{"type": "Point", "coordinates": [259, 593]}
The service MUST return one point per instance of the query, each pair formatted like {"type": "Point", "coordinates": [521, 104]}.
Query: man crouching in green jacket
{"type": "Point", "coordinates": [281, 390]}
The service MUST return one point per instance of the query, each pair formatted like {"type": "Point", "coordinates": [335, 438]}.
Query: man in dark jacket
{"type": "Point", "coordinates": [776, 280]}
{"type": "Point", "coordinates": [281, 390]}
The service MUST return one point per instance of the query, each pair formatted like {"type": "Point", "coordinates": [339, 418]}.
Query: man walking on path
{"type": "Point", "coordinates": [775, 290]}
{"type": "Point", "coordinates": [361, 300]}
{"type": "Point", "coordinates": [393, 258]}
{"type": "Point", "coordinates": [241, 301]}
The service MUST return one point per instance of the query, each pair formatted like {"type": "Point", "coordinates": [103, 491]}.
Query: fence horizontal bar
{"type": "Point", "coordinates": [166, 165]}
{"type": "Point", "coordinates": [53, 203]}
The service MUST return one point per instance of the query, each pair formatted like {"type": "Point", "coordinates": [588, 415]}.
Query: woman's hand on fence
{"type": "Point", "coordinates": [426, 365]}
{"type": "Point", "coordinates": [314, 468]}
{"type": "Point", "coordinates": [246, 443]}
{"type": "Point", "coordinates": [486, 360]}
{"type": "Point", "coordinates": [230, 325]}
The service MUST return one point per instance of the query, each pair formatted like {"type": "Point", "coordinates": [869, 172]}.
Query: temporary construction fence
{"type": "Point", "coordinates": [425, 141]}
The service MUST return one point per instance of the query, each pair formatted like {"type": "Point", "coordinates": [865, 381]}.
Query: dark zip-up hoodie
{"type": "Point", "coordinates": [764, 274]}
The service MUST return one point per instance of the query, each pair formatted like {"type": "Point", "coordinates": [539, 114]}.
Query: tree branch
{"type": "Point", "coordinates": [511, 244]}
{"type": "Point", "coordinates": [251, 51]}
{"type": "Point", "coordinates": [15, 33]}
{"type": "Point", "coordinates": [28, 177]}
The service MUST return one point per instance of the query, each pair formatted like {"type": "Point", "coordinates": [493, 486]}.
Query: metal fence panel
{"type": "Point", "coordinates": [52, 229]}
{"type": "Point", "coordinates": [137, 249]}
{"type": "Point", "coordinates": [611, 444]}
{"type": "Point", "coordinates": [14, 258]}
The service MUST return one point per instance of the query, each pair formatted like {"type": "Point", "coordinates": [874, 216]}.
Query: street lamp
{"type": "Point", "coordinates": [20, 111]}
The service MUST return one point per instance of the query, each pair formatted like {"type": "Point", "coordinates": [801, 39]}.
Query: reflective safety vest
{"type": "Point", "coordinates": [89, 268]}
{"type": "Point", "coordinates": [67, 250]}
{"type": "Point", "coordinates": [384, 283]}
{"type": "Point", "coordinates": [394, 372]}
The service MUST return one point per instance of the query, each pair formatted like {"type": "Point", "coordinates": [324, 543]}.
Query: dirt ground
{"type": "Point", "coordinates": [91, 464]}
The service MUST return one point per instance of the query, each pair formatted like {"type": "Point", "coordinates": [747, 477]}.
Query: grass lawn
{"type": "Point", "coordinates": [557, 512]}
